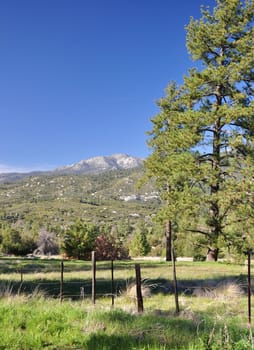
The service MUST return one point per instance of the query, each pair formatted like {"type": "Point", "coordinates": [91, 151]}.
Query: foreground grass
{"type": "Point", "coordinates": [39, 323]}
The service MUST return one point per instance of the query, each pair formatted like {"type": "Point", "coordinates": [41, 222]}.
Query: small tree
{"type": "Point", "coordinates": [139, 244]}
{"type": "Point", "coordinates": [108, 249]}
{"type": "Point", "coordinates": [47, 243]}
{"type": "Point", "coordinates": [79, 240]}
{"type": "Point", "coordinates": [16, 243]}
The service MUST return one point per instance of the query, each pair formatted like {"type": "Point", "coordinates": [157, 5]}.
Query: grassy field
{"type": "Point", "coordinates": [212, 297]}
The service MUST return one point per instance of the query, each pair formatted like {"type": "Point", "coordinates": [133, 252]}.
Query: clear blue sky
{"type": "Point", "coordinates": [79, 78]}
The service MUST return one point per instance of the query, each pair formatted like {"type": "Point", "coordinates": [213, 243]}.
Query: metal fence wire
{"type": "Point", "coordinates": [91, 281]}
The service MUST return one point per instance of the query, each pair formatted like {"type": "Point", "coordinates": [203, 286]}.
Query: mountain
{"type": "Point", "coordinates": [91, 166]}
{"type": "Point", "coordinates": [13, 177]}
{"type": "Point", "coordinates": [100, 164]}
{"type": "Point", "coordinates": [57, 200]}
{"type": "Point", "coordinates": [103, 191]}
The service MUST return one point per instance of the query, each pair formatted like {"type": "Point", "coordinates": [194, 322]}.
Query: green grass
{"type": "Point", "coordinates": [32, 317]}
{"type": "Point", "coordinates": [38, 323]}
{"type": "Point", "coordinates": [45, 275]}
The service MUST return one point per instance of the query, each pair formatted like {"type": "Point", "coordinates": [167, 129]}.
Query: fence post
{"type": "Point", "coordinates": [93, 277]}
{"type": "Point", "coordinates": [61, 281]}
{"type": "Point", "coordinates": [21, 274]}
{"type": "Point", "coordinates": [249, 252]}
{"type": "Point", "coordinates": [138, 289]}
{"type": "Point", "coordinates": [82, 293]}
{"type": "Point", "coordinates": [175, 279]}
{"type": "Point", "coordinates": [112, 283]}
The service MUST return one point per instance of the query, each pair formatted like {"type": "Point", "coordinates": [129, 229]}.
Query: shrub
{"type": "Point", "coordinates": [79, 240]}
{"type": "Point", "coordinates": [108, 249]}
{"type": "Point", "coordinates": [15, 243]}
{"type": "Point", "coordinates": [47, 243]}
{"type": "Point", "coordinates": [139, 243]}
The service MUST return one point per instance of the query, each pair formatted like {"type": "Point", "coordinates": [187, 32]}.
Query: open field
{"type": "Point", "coordinates": [212, 296]}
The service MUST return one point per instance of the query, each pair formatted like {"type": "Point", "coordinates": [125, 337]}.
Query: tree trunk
{"type": "Point", "coordinates": [212, 254]}
{"type": "Point", "coordinates": [168, 233]}
{"type": "Point", "coordinates": [175, 280]}
{"type": "Point", "coordinates": [168, 241]}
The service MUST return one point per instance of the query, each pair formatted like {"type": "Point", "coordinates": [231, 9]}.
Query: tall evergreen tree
{"type": "Point", "coordinates": [206, 127]}
{"type": "Point", "coordinates": [171, 162]}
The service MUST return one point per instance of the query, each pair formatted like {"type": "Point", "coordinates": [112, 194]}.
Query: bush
{"type": "Point", "coordinates": [15, 243]}
{"type": "Point", "coordinates": [199, 257]}
{"type": "Point", "coordinates": [47, 243]}
{"type": "Point", "coordinates": [139, 243]}
{"type": "Point", "coordinates": [79, 240]}
{"type": "Point", "coordinates": [108, 249]}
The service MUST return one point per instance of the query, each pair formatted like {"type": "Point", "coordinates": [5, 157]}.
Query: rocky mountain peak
{"type": "Point", "coordinates": [99, 164]}
{"type": "Point", "coordinates": [95, 165]}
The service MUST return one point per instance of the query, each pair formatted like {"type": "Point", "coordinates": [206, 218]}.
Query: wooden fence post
{"type": "Point", "coordinates": [82, 293]}
{"type": "Point", "coordinates": [112, 283]}
{"type": "Point", "coordinates": [249, 252]}
{"type": "Point", "coordinates": [138, 289]}
{"type": "Point", "coordinates": [175, 279]}
{"type": "Point", "coordinates": [61, 281]}
{"type": "Point", "coordinates": [93, 277]}
{"type": "Point", "coordinates": [21, 275]}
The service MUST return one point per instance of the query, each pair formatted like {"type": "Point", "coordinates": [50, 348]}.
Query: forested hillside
{"type": "Point", "coordinates": [58, 200]}
{"type": "Point", "coordinates": [48, 205]}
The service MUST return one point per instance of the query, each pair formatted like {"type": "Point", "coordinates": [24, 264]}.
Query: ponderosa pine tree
{"type": "Point", "coordinates": [171, 162]}
{"type": "Point", "coordinates": [202, 140]}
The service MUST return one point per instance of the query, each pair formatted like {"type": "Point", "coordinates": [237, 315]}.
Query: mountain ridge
{"type": "Point", "coordinates": [99, 164]}
{"type": "Point", "coordinates": [91, 166]}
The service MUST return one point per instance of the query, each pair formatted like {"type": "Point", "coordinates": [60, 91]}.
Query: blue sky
{"type": "Point", "coordinates": [79, 78]}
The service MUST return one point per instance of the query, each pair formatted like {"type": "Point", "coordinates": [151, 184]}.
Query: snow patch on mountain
{"type": "Point", "coordinates": [101, 164]}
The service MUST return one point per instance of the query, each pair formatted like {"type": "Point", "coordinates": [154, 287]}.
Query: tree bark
{"type": "Point", "coordinates": [168, 241]}
{"type": "Point", "coordinates": [212, 254]}
{"type": "Point", "coordinates": [168, 233]}
{"type": "Point", "coordinates": [175, 280]}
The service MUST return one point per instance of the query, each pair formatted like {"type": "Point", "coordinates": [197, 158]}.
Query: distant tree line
{"type": "Point", "coordinates": [77, 241]}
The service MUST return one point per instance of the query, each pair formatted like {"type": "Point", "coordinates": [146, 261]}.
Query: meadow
{"type": "Point", "coordinates": [212, 297]}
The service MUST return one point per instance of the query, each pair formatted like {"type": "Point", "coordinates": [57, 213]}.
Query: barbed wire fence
{"type": "Point", "coordinates": [62, 285]}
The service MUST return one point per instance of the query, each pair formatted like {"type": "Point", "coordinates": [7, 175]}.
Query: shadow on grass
{"type": "Point", "coordinates": [77, 289]}
{"type": "Point", "coordinates": [150, 331]}
{"type": "Point", "coordinates": [142, 332]}
{"type": "Point", "coordinates": [12, 265]}
{"type": "Point", "coordinates": [74, 289]}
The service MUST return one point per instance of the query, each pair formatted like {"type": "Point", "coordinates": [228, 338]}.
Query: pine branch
{"type": "Point", "coordinates": [205, 233]}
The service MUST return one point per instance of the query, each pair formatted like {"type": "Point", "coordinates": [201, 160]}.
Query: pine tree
{"type": "Point", "coordinates": [79, 239]}
{"type": "Point", "coordinates": [139, 245]}
{"type": "Point", "coordinates": [204, 133]}
{"type": "Point", "coordinates": [171, 162]}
